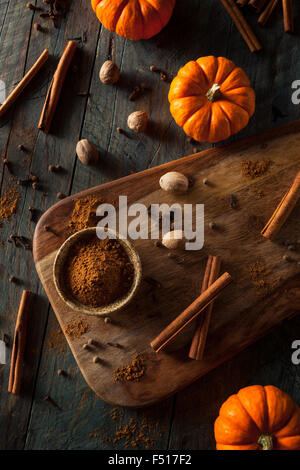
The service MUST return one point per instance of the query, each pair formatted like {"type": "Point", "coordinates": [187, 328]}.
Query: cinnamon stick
{"type": "Point", "coordinates": [242, 25]}
{"type": "Point", "coordinates": [24, 82]}
{"type": "Point", "coordinates": [265, 15]}
{"type": "Point", "coordinates": [16, 366]}
{"type": "Point", "coordinates": [257, 4]}
{"type": "Point", "coordinates": [288, 20]}
{"type": "Point", "coordinates": [190, 313]}
{"type": "Point", "coordinates": [212, 271]}
{"type": "Point", "coordinates": [283, 210]}
{"type": "Point", "coordinates": [55, 87]}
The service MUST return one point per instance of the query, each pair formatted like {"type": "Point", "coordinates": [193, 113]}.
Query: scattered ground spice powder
{"type": "Point", "coordinates": [140, 433]}
{"type": "Point", "coordinates": [258, 193]}
{"type": "Point", "coordinates": [56, 341]}
{"type": "Point", "coordinates": [133, 371]}
{"type": "Point", "coordinates": [258, 274]}
{"type": "Point", "coordinates": [97, 272]}
{"type": "Point", "coordinates": [84, 213]}
{"type": "Point", "coordinates": [255, 168]}
{"type": "Point", "coordinates": [8, 203]}
{"type": "Point", "coordinates": [76, 328]}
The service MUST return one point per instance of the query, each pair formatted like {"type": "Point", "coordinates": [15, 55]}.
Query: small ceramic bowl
{"type": "Point", "coordinates": [106, 309]}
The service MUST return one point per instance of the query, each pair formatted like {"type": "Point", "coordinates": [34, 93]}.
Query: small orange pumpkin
{"type": "Point", "coordinates": [258, 418]}
{"type": "Point", "coordinates": [211, 99]}
{"type": "Point", "coordinates": [134, 19]}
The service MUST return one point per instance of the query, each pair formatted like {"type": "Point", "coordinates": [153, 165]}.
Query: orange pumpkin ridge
{"type": "Point", "coordinates": [211, 99]}
{"type": "Point", "coordinates": [134, 19]}
{"type": "Point", "coordinates": [258, 418]}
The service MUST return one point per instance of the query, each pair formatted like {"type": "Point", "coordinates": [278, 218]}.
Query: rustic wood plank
{"type": "Point", "coordinates": [13, 65]}
{"type": "Point", "coordinates": [40, 152]}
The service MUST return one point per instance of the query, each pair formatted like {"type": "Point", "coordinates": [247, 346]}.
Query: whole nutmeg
{"type": "Point", "coordinates": [109, 73]}
{"type": "Point", "coordinates": [174, 240]}
{"type": "Point", "coordinates": [87, 152]}
{"type": "Point", "coordinates": [137, 121]}
{"type": "Point", "coordinates": [174, 182]}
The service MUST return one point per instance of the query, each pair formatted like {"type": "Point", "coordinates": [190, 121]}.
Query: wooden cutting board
{"type": "Point", "coordinates": [248, 308]}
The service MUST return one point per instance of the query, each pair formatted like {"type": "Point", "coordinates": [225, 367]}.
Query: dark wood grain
{"type": "Point", "coordinates": [204, 28]}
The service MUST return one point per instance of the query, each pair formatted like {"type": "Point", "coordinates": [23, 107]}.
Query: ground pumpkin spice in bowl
{"type": "Point", "coordinates": [96, 276]}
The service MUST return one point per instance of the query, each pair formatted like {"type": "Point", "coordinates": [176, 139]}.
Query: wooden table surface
{"type": "Point", "coordinates": [197, 28]}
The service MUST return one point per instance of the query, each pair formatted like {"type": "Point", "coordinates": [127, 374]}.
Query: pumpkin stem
{"type": "Point", "coordinates": [266, 441]}
{"type": "Point", "coordinates": [214, 92]}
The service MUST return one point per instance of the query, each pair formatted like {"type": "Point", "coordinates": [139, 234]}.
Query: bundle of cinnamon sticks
{"type": "Point", "coordinates": [200, 309]}
{"type": "Point", "coordinates": [265, 9]}
{"type": "Point", "coordinates": [54, 90]}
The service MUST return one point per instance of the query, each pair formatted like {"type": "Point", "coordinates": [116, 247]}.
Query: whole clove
{"type": "Point", "coordinates": [30, 6]}
{"type": "Point", "coordinates": [20, 241]}
{"type": "Point", "coordinates": [21, 148]}
{"type": "Point", "coordinates": [12, 279]}
{"type": "Point", "coordinates": [233, 201]}
{"type": "Point", "coordinates": [33, 177]}
{"type": "Point", "coordinates": [39, 28]}
{"type": "Point", "coordinates": [24, 182]}
{"type": "Point", "coordinates": [53, 168]}
{"type": "Point", "coordinates": [47, 228]}
{"type": "Point", "coordinates": [164, 77]}
{"type": "Point", "coordinates": [51, 402]}
{"type": "Point", "coordinates": [138, 91]}
{"type": "Point", "coordinates": [135, 94]}
{"type": "Point", "coordinates": [58, 9]}
{"type": "Point", "coordinates": [6, 163]}
{"type": "Point", "coordinates": [114, 345]}
{"type": "Point", "coordinates": [60, 195]}
{"type": "Point", "coordinates": [191, 181]}
{"type": "Point", "coordinates": [154, 69]}
{"type": "Point", "coordinates": [152, 282]}
{"type": "Point", "coordinates": [35, 186]}
{"type": "Point", "coordinates": [32, 211]}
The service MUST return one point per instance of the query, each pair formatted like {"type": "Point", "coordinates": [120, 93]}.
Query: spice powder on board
{"type": "Point", "coordinates": [97, 272]}
{"type": "Point", "coordinates": [131, 372]}
{"type": "Point", "coordinates": [255, 168]}
{"type": "Point", "coordinates": [8, 203]}
{"type": "Point", "coordinates": [84, 213]}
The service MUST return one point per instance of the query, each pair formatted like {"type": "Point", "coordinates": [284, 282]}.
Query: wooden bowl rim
{"type": "Point", "coordinates": [106, 309]}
